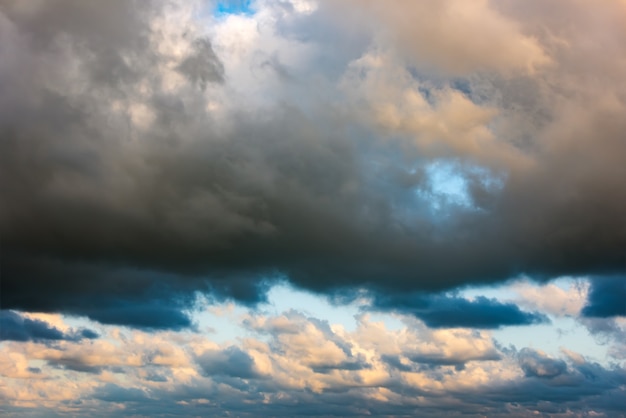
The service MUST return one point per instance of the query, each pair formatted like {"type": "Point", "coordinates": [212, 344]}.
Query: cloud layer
{"type": "Point", "coordinates": [292, 364]}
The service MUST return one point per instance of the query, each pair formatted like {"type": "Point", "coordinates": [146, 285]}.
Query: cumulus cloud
{"type": "Point", "coordinates": [290, 361]}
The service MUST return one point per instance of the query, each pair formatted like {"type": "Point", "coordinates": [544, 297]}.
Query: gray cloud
{"type": "Point", "coordinates": [535, 364]}
{"type": "Point", "coordinates": [202, 66]}
{"type": "Point", "coordinates": [345, 365]}
{"type": "Point", "coordinates": [440, 360]}
{"type": "Point", "coordinates": [109, 163]}
{"type": "Point", "coordinates": [75, 365]}
{"type": "Point", "coordinates": [230, 362]}
{"type": "Point", "coordinates": [114, 393]}
{"type": "Point", "coordinates": [300, 366]}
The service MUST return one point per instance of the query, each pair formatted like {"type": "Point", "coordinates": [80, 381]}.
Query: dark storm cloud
{"type": "Point", "coordinates": [141, 314]}
{"type": "Point", "coordinates": [104, 169]}
{"type": "Point", "coordinates": [137, 298]}
{"type": "Point", "coordinates": [15, 327]}
{"type": "Point", "coordinates": [607, 297]}
{"type": "Point", "coordinates": [442, 311]}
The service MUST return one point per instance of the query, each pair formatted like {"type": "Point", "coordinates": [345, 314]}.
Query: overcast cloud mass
{"type": "Point", "coordinates": [159, 158]}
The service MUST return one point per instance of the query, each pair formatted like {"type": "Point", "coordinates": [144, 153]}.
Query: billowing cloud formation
{"type": "Point", "coordinates": [147, 154]}
{"type": "Point", "coordinates": [291, 364]}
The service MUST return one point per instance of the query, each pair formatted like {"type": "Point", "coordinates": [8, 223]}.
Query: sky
{"type": "Point", "coordinates": [290, 208]}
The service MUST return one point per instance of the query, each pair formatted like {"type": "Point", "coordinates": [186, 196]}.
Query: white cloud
{"type": "Point", "coordinates": [565, 298]}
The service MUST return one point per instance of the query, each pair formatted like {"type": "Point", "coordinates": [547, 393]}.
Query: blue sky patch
{"type": "Point", "coordinates": [234, 7]}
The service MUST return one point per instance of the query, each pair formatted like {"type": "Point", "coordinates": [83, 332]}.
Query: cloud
{"type": "Point", "coordinates": [271, 372]}
{"type": "Point", "coordinates": [440, 359]}
{"type": "Point", "coordinates": [607, 298]}
{"type": "Point", "coordinates": [15, 327]}
{"type": "Point", "coordinates": [536, 364]}
{"type": "Point", "coordinates": [452, 35]}
{"type": "Point", "coordinates": [552, 298]}
{"type": "Point", "coordinates": [442, 311]}
{"type": "Point", "coordinates": [202, 66]}
{"type": "Point", "coordinates": [147, 154]}
{"type": "Point", "coordinates": [118, 394]}
{"type": "Point", "coordinates": [313, 342]}
{"type": "Point", "coordinates": [550, 386]}
{"type": "Point", "coordinates": [346, 365]}
{"type": "Point", "coordinates": [229, 362]}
